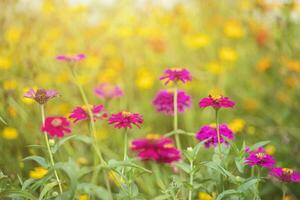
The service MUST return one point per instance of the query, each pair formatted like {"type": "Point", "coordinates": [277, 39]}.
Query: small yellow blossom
{"type": "Point", "coordinates": [237, 125]}
{"type": "Point", "coordinates": [10, 84]}
{"type": "Point", "coordinates": [205, 196]}
{"type": "Point", "coordinates": [228, 54]}
{"type": "Point", "coordinates": [5, 63]}
{"type": "Point", "coordinates": [196, 41]}
{"type": "Point", "coordinates": [9, 133]}
{"type": "Point", "coordinates": [216, 92]}
{"type": "Point", "coordinates": [293, 65]}
{"type": "Point", "coordinates": [38, 172]}
{"type": "Point", "coordinates": [233, 29]}
{"type": "Point", "coordinates": [270, 149]}
{"type": "Point", "coordinates": [215, 68]}
{"type": "Point", "coordinates": [25, 99]}
{"type": "Point", "coordinates": [292, 81]}
{"type": "Point", "coordinates": [145, 79]}
{"type": "Point", "coordinates": [83, 197]}
{"type": "Point", "coordinates": [82, 160]}
{"type": "Point", "coordinates": [13, 34]}
{"type": "Point", "coordinates": [263, 64]}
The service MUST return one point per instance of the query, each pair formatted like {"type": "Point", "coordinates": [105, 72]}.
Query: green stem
{"type": "Point", "coordinates": [218, 131]}
{"type": "Point", "coordinates": [283, 191]}
{"type": "Point", "coordinates": [175, 122]}
{"type": "Point", "coordinates": [257, 185]}
{"type": "Point", "coordinates": [191, 180]}
{"type": "Point", "coordinates": [125, 145]}
{"type": "Point", "coordinates": [50, 152]}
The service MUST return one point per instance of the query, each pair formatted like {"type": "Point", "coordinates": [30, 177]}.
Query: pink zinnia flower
{"type": "Point", "coordinates": [175, 75]}
{"type": "Point", "coordinates": [56, 126]}
{"type": "Point", "coordinates": [70, 58]}
{"type": "Point", "coordinates": [125, 119]}
{"type": "Point", "coordinates": [157, 148]}
{"type": "Point", "coordinates": [164, 101]}
{"type": "Point", "coordinates": [108, 91]}
{"type": "Point", "coordinates": [285, 174]}
{"type": "Point", "coordinates": [208, 133]}
{"type": "Point", "coordinates": [259, 157]}
{"type": "Point", "coordinates": [41, 95]}
{"type": "Point", "coordinates": [81, 113]}
{"type": "Point", "coordinates": [216, 102]}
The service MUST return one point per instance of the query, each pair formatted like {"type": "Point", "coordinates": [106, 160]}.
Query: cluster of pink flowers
{"type": "Point", "coordinates": [71, 58]}
{"type": "Point", "coordinates": [164, 101]}
{"type": "Point", "coordinates": [175, 75]}
{"type": "Point", "coordinates": [157, 148]}
{"type": "Point", "coordinates": [81, 113]}
{"type": "Point", "coordinates": [216, 102]}
{"type": "Point", "coordinates": [259, 157]}
{"type": "Point", "coordinates": [125, 119]}
{"type": "Point", "coordinates": [285, 174]}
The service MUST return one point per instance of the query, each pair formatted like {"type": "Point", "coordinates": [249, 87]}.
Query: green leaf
{"type": "Point", "coordinates": [127, 163]}
{"type": "Point", "coordinates": [184, 166]}
{"type": "Point", "coordinates": [40, 160]}
{"type": "Point", "coordinates": [92, 189]}
{"type": "Point", "coordinates": [259, 144]}
{"type": "Point", "coordinates": [227, 193]}
{"type": "Point", "coordinates": [239, 164]}
{"type": "Point", "coordinates": [46, 189]}
{"type": "Point", "coordinates": [61, 142]}
{"type": "Point", "coordinates": [247, 185]}
{"type": "Point", "coordinates": [14, 193]}
{"type": "Point", "coordinates": [3, 121]}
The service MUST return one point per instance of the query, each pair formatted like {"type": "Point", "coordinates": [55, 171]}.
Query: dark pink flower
{"type": "Point", "coordinates": [259, 157]}
{"type": "Point", "coordinates": [175, 75]}
{"type": "Point", "coordinates": [81, 113]}
{"type": "Point", "coordinates": [56, 126]}
{"type": "Point", "coordinates": [70, 58]}
{"type": "Point", "coordinates": [164, 101]}
{"type": "Point", "coordinates": [125, 119]}
{"type": "Point", "coordinates": [216, 102]}
{"type": "Point", "coordinates": [285, 174]}
{"type": "Point", "coordinates": [108, 91]}
{"type": "Point", "coordinates": [157, 148]}
{"type": "Point", "coordinates": [208, 133]}
{"type": "Point", "coordinates": [41, 95]}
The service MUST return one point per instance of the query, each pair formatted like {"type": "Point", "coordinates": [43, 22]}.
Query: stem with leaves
{"type": "Point", "coordinates": [283, 187]}
{"type": "Point", "coordinates": [191, 179]}
{"type": "Point", "coordinates": [50, 152]}
{"type": "Point", "coordinates": [175, 119]}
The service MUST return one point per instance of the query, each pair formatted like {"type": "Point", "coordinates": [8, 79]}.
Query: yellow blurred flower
{"type": "Point", "coordinates": [205, 196]}
{"type": "Point", "coordinates": [125, 32]}
{"type": "Point", "coordinates": [48, 7]}
{"type": "Point", "coordinates": [282, 97]}
{"type": "Point", "coordinates": [92, 61]}
{"type": "Point", "coordinates": [270, 149]}
{"type": "Point", "coordinates": [24, 99]}
{"type": "Point", "coordinates": [250, 104]}
{"type": "Point", "coordinates": [5, 63]}
{"type": "Point", "coordinates": [108, 75]}
{"type": "Point", "coordinates": [12, 111]}
{"type": "Point", "coordinates": [38, 172]}
{"type": "Point", "coordinates": [216, 92]}
{"type": "Point", "coordinates": [263, 64]}
{"type": "Point", "coordinates": [115, 64]}
{"type": "Point", "coordinates": [82, 160]}
{"type": "Point", "coordinates": [10, 133]}
{"type": "Point", "coordinates": [10, 84]}
{"type": "Point", "coordinates": [293, 65]}
{"type": "Point", "coordinates": [215, 68]}
{"type": "Point", "coordinates": [145, 79]}
{"type": "Point", "coordinates": [292, 81]}
{"type": "Point", "coordinates": [115, 178]}
{"type": "Point", "coordinates": [83, 79]}
{"type": "Point", "coordinates": [196, 41]}
{"type": "Point", "coordinates": [233, 29]}
{"type": "Point", "coordinates": [237, 125]}
{"type": "Point", "coordinates": [83, 197]}
{"type": "Point", "coordinates": [13, 34]}
{"type": "Point", "coordinates": [228, 54]}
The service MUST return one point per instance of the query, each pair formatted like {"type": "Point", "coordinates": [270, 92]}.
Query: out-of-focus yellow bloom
{"type": "Point", "coordinates": [145, 79]}
{"type": "Point", "coordinates": [292, 81]}
{"type": "Point", "coordinates": [227, 54]}
{"type": "Point", "coordinates": [215, 68]}
{"type": "Point", "coordinates": [245, 4]}
{"type": "Point", "coordinates": [233, 29]}
{"type": "Point", "coordinates": [38, 172]}
{"type": "Point", "coordinates": [125, 32]}
{"type": "Point", "coordinates": [102, 134]}
{"type": "Point", "coordinates": [205, 196]}
{"type": "Point", "coordinates": [263, 64]}
{"type": "Point", "coordinates": [108, 75]}
{"type": "Point", "coordinates": [196, 41]}
{"type": "Point", "coordinates": [13, 34]}
{"type": "Point", "coordinates": [43, 79]}
{"type": "Point", "coordinates": [62, 77]}
{"type": "Point", "coordinates": [250, 104]}
{"type": "Point", "coordinates": [270, 149]}
{"type": "Point", "coordinates": [115, 63]}
{"type": "Point", "coordinates": [110, 49]}
{"type": "Point", "coordinates": [83, 79]}
{"type": "Point", "coordinates": [82, 160]}
{"type": "Point", "coordinates": [293, 65]}
{"type": "Point", "coordinates": [92, 61]}
{"type": "Point", "coordinates": [115, 178]}
{"type": "Point", "coordinates": [288, 197]}
{"type": "Point", "coordinates": [48, 7]}
{"type": "Point", "coordinates": [24, 99]}
{"type": "Point", "coordinates": [12, 111]}
{"type": "Point", "coordinates": [10, 84]}
{"type": "Point", "coordinates": [237, 125]}
{"type": "Point", "coordinates": [5, 63]}
{"type": "Point", "coordinates": [83, 197]}
{"type": "Point", "coordinates": [216, 92]}
{"type": "Point", "coordinates": [10, 133]}
{"type": "Point", "coordinates": [282, 96]}
{"type": "Point", "coordinates": [251, 130]}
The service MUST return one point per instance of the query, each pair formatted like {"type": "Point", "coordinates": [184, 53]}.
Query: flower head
{"type": "Point", "coordinates": [164, 101]}
{"type": "Point", "coordinates": [41, 95]}
{"type": "Point", "coordinates": [56, 126]}
{"type": "Point", "coordinates": [125, 119]}
{"type": "Point", "coordinates": [208, 133]}
{"type": "Point", "coordinates": [38, 172]}
{"type": "Point", "coordinates": [157, 148]}
{"type": "Point", "coordinates": [216, 102]}
{"type": "Point", "coordinates": [71, 58]}
{"type": "Point", "coordinates": [81, 113]}
{"type": "Point", "coordinates": [259, 157]}
{"type": "Point", "coordinates": [175, 75]}
{"type": "Point", "coordinates": [285, 174]}
{"type": "Point", "coordinates": [9, 133]}
{"type": "Point", "coordinates": [108, 91]}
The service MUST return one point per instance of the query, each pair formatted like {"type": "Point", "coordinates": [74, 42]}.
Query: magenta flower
{"type": "Point", "coordinates": [41, 95]}
{"type": "Point", "coordinates": [156, 148]}
{"type": "Point", "coordinates": [70, 58]}
{"type": "Point", "coordinates": [56, 126]}
{"type": "Point", "coordinates": [259, 157]}
{"type": "Point", "coordinates": [108, 91]}
{"type": "Point", "coordinates": [81, 113]}
{"type": "Point", "coordinates": [175, 75]}
{"type": "Point", "coordinates": [216, 102]}
{"type": "Point", "coordinates": [285, 174]}
{"type": "Point", "coordinates": [164, 101]}
{"type": "Point", "coordinates": [208, 133]}
{"type": "Point", "coordinates": [125, 119]}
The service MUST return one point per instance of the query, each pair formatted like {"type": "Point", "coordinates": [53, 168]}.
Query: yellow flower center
{"type": "Point", "coordinates": [126, 113]}
{"type": "Point", "coordinates": [260, 155]}
{"type": "Point", "coordinates": [56, 122]}
{"type": "Point", "coordinates": [168, 145]}
{"type": "Point", "coordinates": [153, 136]}
{"type": "Point", "coordinates": [176, 69]}
{"type": "Point", "coordinates": [287, 171]}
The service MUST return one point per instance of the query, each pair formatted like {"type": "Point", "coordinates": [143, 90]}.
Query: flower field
{"type": "Point", "coordinates": [146, 99]}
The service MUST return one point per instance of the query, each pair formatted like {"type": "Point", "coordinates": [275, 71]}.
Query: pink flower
{"type": "Point", "coordinates": [175, 75]}
{"type": "Point", "coordinates": [70, 58]}
{"type": "Point", "coordinates": [108, 91]}
{"type": "Point", "coordinates": [157, 148]}
{"type": "Point", "coordinates": [259, 157]}
{"type": "Point", "coordinates": [56, 126]}
{"type": "Point", "coordinates": [208, 134]}
{"type": "Point", "coordinates": [41, 95]}
{"type": "Point", "coordinates": [164, 101]}
{"type": "Point", "coordinates": [216, 102]}
{"type": "Point", "coordinates": [81, 113]}
{"type": "Point", "coordinates": [125, 119]}
{"type": "Point", "coordinates": [285, 174]}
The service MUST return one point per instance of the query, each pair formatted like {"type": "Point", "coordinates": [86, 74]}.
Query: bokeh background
{"type": "Point", "coordinates": [248, 50]}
